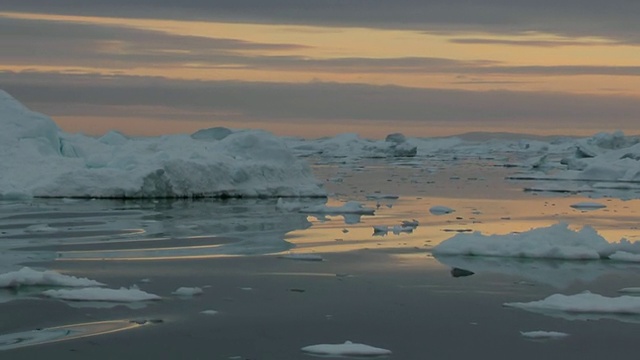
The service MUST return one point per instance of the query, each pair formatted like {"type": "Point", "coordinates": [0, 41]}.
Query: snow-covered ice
{"type": "Point", "coordinates": [347, 349]}
{"type": "Point", "coordinates": [541, 334]}
{"type": "Point", "coordinates": [585, 302]}
{"type": "Point", "coordinates": [30, 277]}
{"type": "Point", "coordinates": [553, 242]}
{"type": "Point", "coordinates": [101, 294]}
{"type": "Point", "coordinates": [246, 163]}
{"type": "Point", "coordinates": [187, 291]}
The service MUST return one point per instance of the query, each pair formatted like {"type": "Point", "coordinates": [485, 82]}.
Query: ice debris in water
{"type": "Point", "coordinates": [101, 294]}
{"type": "Point", "coordinates": [30, 277]}
{"type": "Point", "coordinates": [540, 334]}
{"type": "Point", "coordinates": [585, 302]}
{"type": "Point", "coordinates": [187, 291]}
{"type": "Point", "coordinates": [208, 312]}
{"type": "Point", "coordinates": [441, 210]}
{"type": "Point", "coordinates": [553, 242]}
{"type": "Point", "coordinates": [588, 205]}
{"type": "Point", "coordinates": [247, 163]}
{"type": "Point", "coordinates": [347, 349]}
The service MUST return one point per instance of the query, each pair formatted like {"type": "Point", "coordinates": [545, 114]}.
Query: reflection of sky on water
{"type": "Point", "coordinates": [557, 273]}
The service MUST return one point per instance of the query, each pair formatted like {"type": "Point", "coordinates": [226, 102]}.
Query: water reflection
{"type": "Point", "coordinates": [560, 274]}
{"type": "Point", "coordinates": [44, 230]}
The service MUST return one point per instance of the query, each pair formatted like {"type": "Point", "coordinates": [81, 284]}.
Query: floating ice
{"type": "Point", "coordinates": [209, 312]}
{"type": "Point", "coordinates": [383, 196]}
{"type": "Point", "coordinates": [242, 164]}
{"type": "Point", "coordinates": [101, 294]}
{"type": "Point", "coordinates": [585, 302]}
{"type": "Point", "coordinates": [352, 146]}
{"type": "Point", "coordinates": [553, 242]}
{"type": "Point", "coordinates": [588, 205]}
{"type": "Point", "coordinates": [630, 290]}
{"type": "Point", "coordinates": [441, 210]}
{"type": "Point", "coordinates": [625, 256]}
{"type": "Point", "coordinates": [543, 334]}
{"type": "Point", "coordinates": [29, 277]}
{"type": "Point", "coordinates": [187, 291]}
{"type": "Point", "coordinates": [346, 349]}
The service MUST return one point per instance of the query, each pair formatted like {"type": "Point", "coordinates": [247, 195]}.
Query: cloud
{"type": "Point", "coordinates": [535, 43]}
{"type": "Point", "coordinates": [615, 19]}
{"type": "Point", "coordinates": [315, 101]}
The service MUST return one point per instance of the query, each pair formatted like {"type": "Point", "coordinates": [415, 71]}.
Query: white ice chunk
{"type": "Point", "coordinates": [585, 302]}
{"type": "Point", "coordinates": [187, 291]}
{"type": "Point", "coordinates": [553, 242]}
{"type": "Point", "coordinates": [441, 210]}
{"type": "Point", "coordinates": [625, 256]}
{"type": "Point", "coordinates": [39, 160]}
{"type": "Point", "coordinates": [540, 334]}
{"type": "Point", "coordinates": [29, 277]}
{"type": "Point", "coordinates": [208, 312]}
{"type": "Point", "coordinates": [630, 290]}
{"type": "Point", "coordinates": [101, 294]}
{"type": "Point", "coordinates": [346, 349]}
{"type": "Point", "coordinates": [588, 205]}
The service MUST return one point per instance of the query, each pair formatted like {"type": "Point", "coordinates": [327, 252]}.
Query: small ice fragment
{"type": "Point", "coordinates": [246, 288]}
{"type": "Point", "coordinates": [410, 223]}
{"type": "Point", "coordinates": [208, 312]}
{"type": "Point", "coordinates": [187, 291]}
{"type": "Point", "coordinates": [588, 205]}
{"type": "Point", "coordinates": [441, 210]}
{"type": "Point", "coordinates": [585, 302]}
{"type": "Point", "coordinates": [346, 349]}
{"type": "Point", "coordinates": [382, 196]}
{"type": "Point", "coordinates": [380, 230]}
{"type": "Point", "coordinates": [543, 334]}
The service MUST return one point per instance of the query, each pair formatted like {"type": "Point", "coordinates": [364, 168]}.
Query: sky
{"type": "Point", "coordinates": [320, 67]}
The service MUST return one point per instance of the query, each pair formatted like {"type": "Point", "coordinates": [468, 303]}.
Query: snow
{"type": "Point", "coordinates": [101, 294]}
{"type": "Point", "coordinates": [540, 334]}
{"type": "Point", "coordinates": [30, 277]}
{"type": "Point", "coordinates": [441, 210]}
{"type": "Point", "coordinates": [585, 302]}
{"type": "Point", "coordinates": [187, 291]}
{"type": "Point", "coordinates": [346, 349]}
{"type": "Point", "coordinates": [553, 242]}
{"type": "Point", "coordinates": [248, 163]}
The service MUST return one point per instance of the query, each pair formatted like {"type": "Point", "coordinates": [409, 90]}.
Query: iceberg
{"type": "Point", "coordinates": [585, 302]}
{"type": "Point", "coordinates": [101, 294]}
{"type": "Point", "coordinates": [216, 163]}
{"type": "Point", "coordinates": [30, 277]}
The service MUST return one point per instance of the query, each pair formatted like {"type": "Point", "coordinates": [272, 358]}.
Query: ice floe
{"type": "Point", "coordinates": [585, 302]}
{"type": "Point", "coordinates": [101, 294]}
{"type": "Point", "coordinates": [187, 291]}
{"type": "Point", "coordinates": [540, 334]}
{"type": "Point", "coordinates": [440, 210]}
{"type": "Point", "coordinates": [30, 277]}
{"type": "Point", "coordinates": [587, 205]}
{"type": "Point", "coordinates": [247, 163]}
{"type": "Point", "coordinates": [347, 349]}
{"type": "Point", "coordinates": [553, 242]}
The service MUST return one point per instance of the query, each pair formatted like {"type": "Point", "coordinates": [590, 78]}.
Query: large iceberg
{"type": "Point", "coordinates": [39, 160]}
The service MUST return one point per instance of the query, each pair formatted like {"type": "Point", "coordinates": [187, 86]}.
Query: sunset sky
{"type": "Point", "coordinates": [321, 67]}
